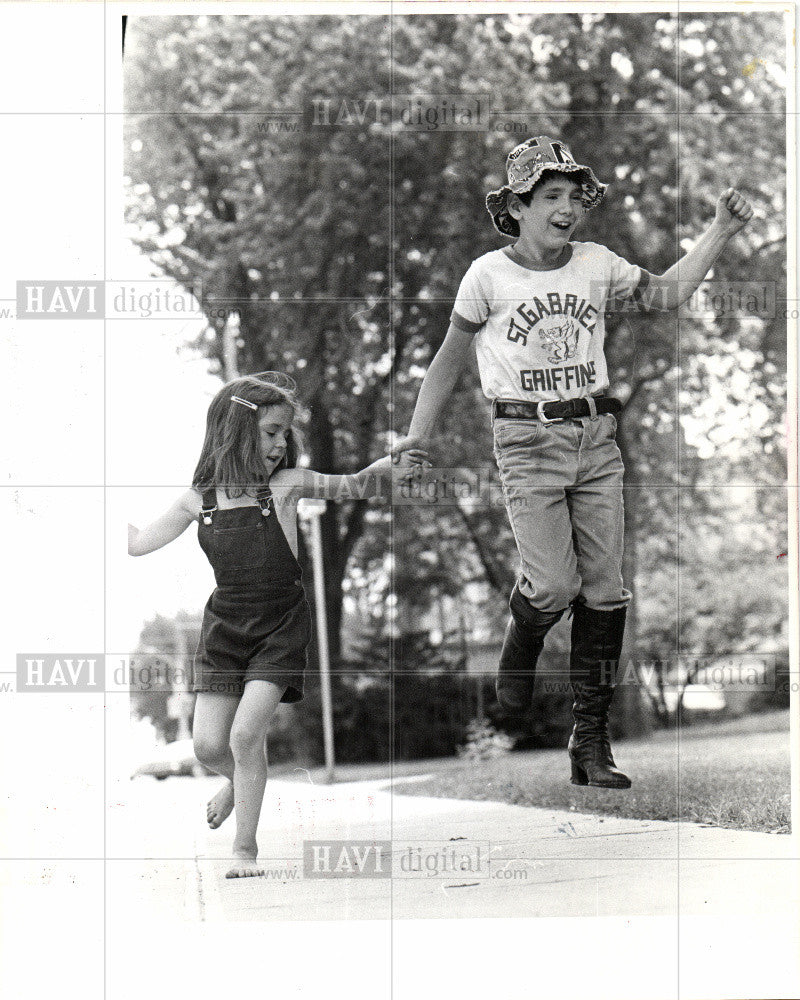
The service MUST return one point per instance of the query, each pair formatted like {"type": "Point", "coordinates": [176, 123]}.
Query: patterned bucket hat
{"type": "Point", "coordinates": [525, 165]}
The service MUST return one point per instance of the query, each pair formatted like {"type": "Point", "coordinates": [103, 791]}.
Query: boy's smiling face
{"type": "Point", "coordinates": [556, 207]}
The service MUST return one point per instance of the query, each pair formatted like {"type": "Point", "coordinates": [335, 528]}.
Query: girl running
{"type": "Point", "coordinates": [256, 626]}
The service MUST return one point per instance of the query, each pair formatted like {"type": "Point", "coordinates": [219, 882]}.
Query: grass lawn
{"type": "Point", "coordinates": [733, 774]}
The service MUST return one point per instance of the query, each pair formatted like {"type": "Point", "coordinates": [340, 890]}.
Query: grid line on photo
{"type": "Point", "coordinates": [392, 341]}
{"type": "Point", "coordinates": [678, 464]}
{"type": "Point", "coordinates": [105, 490]}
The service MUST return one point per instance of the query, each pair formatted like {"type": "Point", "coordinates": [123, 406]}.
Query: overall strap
{"type": "Point", "coordinates": [209, 504]}
{"type": "Point", "coordinates": [264, 497]}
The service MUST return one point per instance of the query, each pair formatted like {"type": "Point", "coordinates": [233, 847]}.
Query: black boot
{"type": "Point", "coordinates": [596, 648]}
{"type": "Point", "coordinates": [524, 640]}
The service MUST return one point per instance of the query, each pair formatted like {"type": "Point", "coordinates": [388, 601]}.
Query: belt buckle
{"type": "Point", "coordinates": [540, 414]}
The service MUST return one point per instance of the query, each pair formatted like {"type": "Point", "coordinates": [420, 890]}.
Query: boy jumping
{"type": "Point", "coordinates": [536, 312]}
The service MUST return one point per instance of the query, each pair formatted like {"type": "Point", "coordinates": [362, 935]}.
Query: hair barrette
{"type": "Point", "coordinates": [244, 402]}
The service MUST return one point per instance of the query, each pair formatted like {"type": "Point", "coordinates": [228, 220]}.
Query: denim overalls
{"type": "Point", "coordinates": [257, 623]}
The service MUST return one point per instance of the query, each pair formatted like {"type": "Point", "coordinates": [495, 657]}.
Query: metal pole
{"type": "Point", "coordinates": [179, 705]}
{"type": "Point", "coordinates": [315, 513]}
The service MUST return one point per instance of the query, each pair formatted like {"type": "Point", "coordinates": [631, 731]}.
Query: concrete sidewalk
{"type": "Point", "coordinates": [445, 858]}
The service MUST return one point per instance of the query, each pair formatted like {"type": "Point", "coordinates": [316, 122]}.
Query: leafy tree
{"type": "Point", "coordinates": [341, 245]}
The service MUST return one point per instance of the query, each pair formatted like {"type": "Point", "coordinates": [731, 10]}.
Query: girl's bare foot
{"type": "Point", "coordinates": [221, 806]}
{"type": "Point", "coordinates": [246, 865]}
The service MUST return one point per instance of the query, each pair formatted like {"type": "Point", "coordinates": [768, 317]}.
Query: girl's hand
{"type": "Point", "coordinates": [414, 449]}
{"type": "Point", "coordinates": [403, 476]}
{"type": "Point", "coordinates": [409, 467]}
{"type": "Point", "coordinates": [733, 212]}
{"type": "Point", "coordinates": [408, 471]}
{"type": "Point", "coordinates": [415, 456]}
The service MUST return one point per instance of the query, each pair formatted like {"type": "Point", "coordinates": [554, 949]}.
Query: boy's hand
{"type": "Point", "coordinates": [408, 466]}
{"type": "Point", "coordinates": [414, 449]}
{"type": "Point", "coordinates": [408, 460]}
{"type": "Point", "coordinates": [733, 212]}
{"type": "Point", "coordinates": [412, 459]}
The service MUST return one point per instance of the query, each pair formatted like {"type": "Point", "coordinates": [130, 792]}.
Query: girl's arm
{"type": "Point", "coordinates": [373, 481]}
{"type": "Point", "coordinates": [681, 281]}
{"type": "Point", "coordinates": [436, 387]}
{"type": "Point", "coordinates": [166, 528]}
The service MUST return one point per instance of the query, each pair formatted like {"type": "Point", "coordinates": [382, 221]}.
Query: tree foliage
{"type": "Point", "coordinates": [340, 246]}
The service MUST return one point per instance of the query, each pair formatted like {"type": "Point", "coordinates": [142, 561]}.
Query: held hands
{"type": "Point", "coordinates": [733, 212]}
{"type": "Point", "coordinates": [410, 456]}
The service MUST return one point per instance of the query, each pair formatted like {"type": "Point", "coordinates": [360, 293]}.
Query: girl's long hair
{"type": "Point", "coordinates": [231, 458]}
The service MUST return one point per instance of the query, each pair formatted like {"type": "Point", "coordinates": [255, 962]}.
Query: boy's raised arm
{"type": "Point", "coordinates": [436, 387]}
{"type": "Point", "coordinates": [681, 281]}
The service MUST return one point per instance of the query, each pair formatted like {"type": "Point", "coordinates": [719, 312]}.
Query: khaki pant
{"type": "Point", "coordinates": [562, 486]}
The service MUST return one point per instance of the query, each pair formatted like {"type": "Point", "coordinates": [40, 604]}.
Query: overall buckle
{"type": "Point", "coordinates": [264, 498]}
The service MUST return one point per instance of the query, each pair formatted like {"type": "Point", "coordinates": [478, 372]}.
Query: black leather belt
{"type": "Point", "coordinates": [555, 410]}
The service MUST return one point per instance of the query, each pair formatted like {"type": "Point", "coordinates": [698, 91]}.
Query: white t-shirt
{"type": "Point", "coordinates": [540, 333]}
